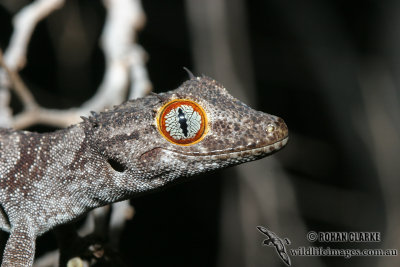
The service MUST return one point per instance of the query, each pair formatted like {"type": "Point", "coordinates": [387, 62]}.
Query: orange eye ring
{"type": "Point", "coordinates": [182, 122]}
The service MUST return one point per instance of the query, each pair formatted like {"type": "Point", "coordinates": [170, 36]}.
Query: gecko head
{"type": "Point", "coordinates": [193, 129]}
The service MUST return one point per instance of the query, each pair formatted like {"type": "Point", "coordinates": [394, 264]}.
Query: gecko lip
{"type": "Point", "coordinates": [244, 152]}
{"type": "Point", "coordinates": [251, 152]}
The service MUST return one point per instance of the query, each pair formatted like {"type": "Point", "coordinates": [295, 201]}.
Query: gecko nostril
{"type": "Point", "coordinates": [270, 128]}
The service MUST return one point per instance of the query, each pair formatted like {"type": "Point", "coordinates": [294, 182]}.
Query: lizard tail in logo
{"type": "Point", "coordinates": [279, 244]}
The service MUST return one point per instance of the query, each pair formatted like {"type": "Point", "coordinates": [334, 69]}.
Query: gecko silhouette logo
{"type": "Point", "coordinates": [279, 244]}
{"type": "Point", "coordinates": [182, 122]}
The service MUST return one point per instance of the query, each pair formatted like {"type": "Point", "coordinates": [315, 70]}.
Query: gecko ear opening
{"type": "Point", "coordinates": [117, 166]}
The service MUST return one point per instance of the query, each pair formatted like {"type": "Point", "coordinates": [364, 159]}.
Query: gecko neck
{"type": "Point", "coordinates": [82, 174]}
{"type": "Point", "coordinates": [88, 173]}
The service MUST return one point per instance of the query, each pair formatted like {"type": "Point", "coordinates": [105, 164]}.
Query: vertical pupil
{"type": "Point", "coordinates": [182, 122]}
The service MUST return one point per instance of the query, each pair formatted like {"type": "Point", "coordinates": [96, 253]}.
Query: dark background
{"type": "Point", "coordinates": [328, 68]}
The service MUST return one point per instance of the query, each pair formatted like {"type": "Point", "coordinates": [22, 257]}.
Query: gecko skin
{"type": "Point", "coordinates": [52, 178]}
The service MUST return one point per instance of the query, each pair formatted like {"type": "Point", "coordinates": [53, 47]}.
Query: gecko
{"type": "Point", "coordinates": [49, 179]}
{"type": "Point", "coordinates": [279, 244]}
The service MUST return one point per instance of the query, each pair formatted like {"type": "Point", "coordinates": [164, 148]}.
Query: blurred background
{"type": "Point", "coordinates": [330, 69]}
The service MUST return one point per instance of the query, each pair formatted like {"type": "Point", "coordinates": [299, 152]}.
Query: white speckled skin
{"type": "Point", "coordinates": [50, 179]}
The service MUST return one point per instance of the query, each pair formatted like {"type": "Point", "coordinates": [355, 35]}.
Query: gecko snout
{"type": "Point", "coordinates": [276, 129]}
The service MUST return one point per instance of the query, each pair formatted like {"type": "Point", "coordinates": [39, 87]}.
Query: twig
{"type": "Point", "coordinates": [123, 18]}
{"type": "Point", "coordinates": [121, 212]}
{"type": "Point", "coordinates": [122, 55]}
{"type": "Point", "coordinates": [141, 84]}
{"type": "Point", "coordinates": [25, 22]}
{"type": "Point", "coordinates": [19, 86]}
{"type": "Point", "coordinates": [15, 57]}
{"type": "Point", "coordinates": [48, 260]}
{"type": "Point", "coordinates": [5, 111]}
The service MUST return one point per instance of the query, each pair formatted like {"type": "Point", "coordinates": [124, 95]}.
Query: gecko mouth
{"type": "Point", "coordinates": [251, 152]}
{"type": "Point", "coordinates": [244, 152]}
{"type": "Point", "coordinates": [255, 152]}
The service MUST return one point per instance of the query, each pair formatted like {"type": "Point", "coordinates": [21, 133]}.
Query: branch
{"type": "Point", "coordinates": [24, 23]}
{"type": "Point", "coordinates": [19, 86]}
{"type": "Point", "coordinates": [122, 55]}
{"type": "Point", "coordinates": [15, 55]}
{"type": "Point", "coordinates": [124, 17]}
{"type": "Point", "coordinates": [5, 111]}
{"type": "Point", "coordinates": [141, 84]}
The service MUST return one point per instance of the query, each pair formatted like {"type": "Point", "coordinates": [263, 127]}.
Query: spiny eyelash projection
{"type": "Point", "coordinates": [182, 122]}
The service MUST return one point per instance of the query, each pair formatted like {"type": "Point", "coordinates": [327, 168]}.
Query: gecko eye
{"type": "Point", "coordinates": [182, 122]}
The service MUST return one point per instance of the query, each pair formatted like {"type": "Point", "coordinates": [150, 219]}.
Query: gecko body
{"type": "Point", "coordinates": [52, 178]}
